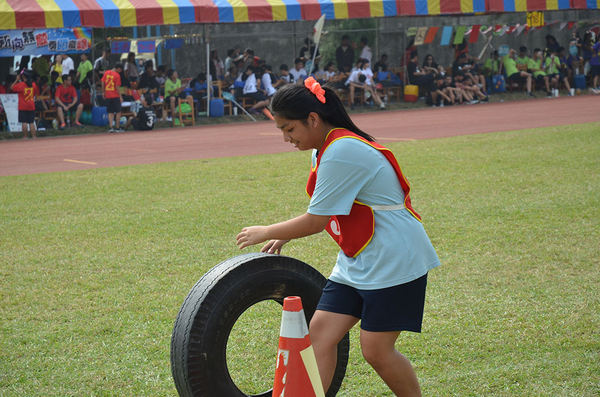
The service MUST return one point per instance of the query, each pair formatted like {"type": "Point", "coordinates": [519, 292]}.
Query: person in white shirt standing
{"type": "Point", "coordinates": [366, 52]}
{"type": "Point", "coordinates": [67, 64]}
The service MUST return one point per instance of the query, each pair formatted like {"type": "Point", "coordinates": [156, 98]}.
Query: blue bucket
{"type": "Point", "coordinates": [217, 108]}
{"type": "Point", "coordinates": [99, 116]}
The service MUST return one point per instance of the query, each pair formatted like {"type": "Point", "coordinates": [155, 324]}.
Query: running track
{"type": "Point", "coordinates": [68, 153]}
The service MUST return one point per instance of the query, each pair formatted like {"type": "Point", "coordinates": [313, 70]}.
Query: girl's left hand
{"type": "Point", "coordinates": [250, 236]}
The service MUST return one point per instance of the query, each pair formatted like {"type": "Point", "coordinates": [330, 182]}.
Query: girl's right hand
{"type": "Point", "coordinates": [274, 246]}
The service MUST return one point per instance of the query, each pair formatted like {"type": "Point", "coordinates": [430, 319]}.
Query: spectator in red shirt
{"type": "Point", "coordinates": [111, 84]}
{"type": "Point", "coordinates": [66, 100]}
{"type": "Point", "coordinates": [27, 91]}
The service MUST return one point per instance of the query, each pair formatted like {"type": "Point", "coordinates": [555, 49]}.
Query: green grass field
{"type": "Point", "coordinates": [94, 266]}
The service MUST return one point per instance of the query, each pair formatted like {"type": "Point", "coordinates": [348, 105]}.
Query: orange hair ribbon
{"type": "Point", "coordinates": [314, 87]}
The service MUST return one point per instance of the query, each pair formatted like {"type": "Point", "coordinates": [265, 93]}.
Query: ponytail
{"type": "Point", "coordinates": [296, 102]}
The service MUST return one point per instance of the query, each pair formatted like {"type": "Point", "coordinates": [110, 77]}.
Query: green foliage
{"type": "Point", "coordinates": [94, 266]}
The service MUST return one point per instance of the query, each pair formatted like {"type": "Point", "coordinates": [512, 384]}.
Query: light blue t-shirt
{"type": "Point", "coordinates": [400, 250]}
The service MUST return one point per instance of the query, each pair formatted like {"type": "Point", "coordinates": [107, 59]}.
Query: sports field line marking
{"type": "Point", "coordinates": [270, 133]}
{"type": "Point", "coordinates": [80, 162]}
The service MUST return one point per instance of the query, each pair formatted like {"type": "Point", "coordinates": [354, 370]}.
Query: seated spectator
{"type": "Point", "coordinates": [329, 71]}
{"type": "Point", "coordinates": [513, 74]}
{"type": "Point", "coordinates": [199, 86]}
{"type": "Point", "coordinates": [536, 66]}
{"type": "Point", "coordinates": [467, 65]}
{"type": "Point", "coordinates": [552, 69]}
{"type": "Point", "coordinates": [564, 67]}
{"type": "Point", "coordinates": [161, 78]}
{"type": "Point", "coordinates": [475, 89]}
{"type": "Point", "coordinates": [144, 119]}
{"type": "Point", "coordinates": [267, 80]}
{"type": "Point", "coordinates": [251, 90]}
{"type": "Point", "coordinates": [357, 65]}
{"type": "Point", "coordinates": [359, 80]}
{"type": "Point", "coordinates": [456, 94]}
{"type": "Point", "coordinates": [174, 90]}
{"type": "Point", "coordinates": [523, 58]}
{"type": "Point", "coordinates": [459, 82]}
{"type": "Point", "coordinates": [430, 66]}
{"type": "Point", "coordinates": [366, 70]}
{"type": "Point", "coordinates": [148, 79]}
{"type": "Point", "coordinates": [381, 65]}
{"type": "Point", "coordinates": [284, 76]}
{"type": "Point", "coordinates": [44, 89]}
{"type": "Point", "coordinates": [415, 75]}
{"type": "Point", "coordinates": [66, 100]}
{"type": "Point", "coordinates": [299, 73]}
{"type": "Point", "coordinates": [54, 82]}
{"type": "Point", "coordinates": [438, 93]}
{"type": "Point", "coordinates": [230, 78]}
{"type": "Point", "coordinates": [492, 65]}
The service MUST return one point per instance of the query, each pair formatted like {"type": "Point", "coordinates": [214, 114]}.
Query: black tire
{"type": "Point", "coordinates": [210, 310]}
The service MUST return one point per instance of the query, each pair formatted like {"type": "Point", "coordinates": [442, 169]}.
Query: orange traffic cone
{"type": "Point", "coordinates": [297, 374]}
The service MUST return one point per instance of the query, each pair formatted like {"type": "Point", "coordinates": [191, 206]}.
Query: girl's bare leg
{"type": "Point", "coordinates": [378, 348]}
{"type": "Point", "coordinates": [326, 330]}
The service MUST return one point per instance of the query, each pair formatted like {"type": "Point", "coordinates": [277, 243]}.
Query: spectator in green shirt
{"type": "Point", "coordinates": [174, 90]}
{"type": "Point", "coordinates": [492, 65]}
{"type": "Point", "coordinates": [552, 65]}
{"type": "Point", "coordinates": [523, 59]}
{"type": "Point", "coordinates": [514, 74]}
{"type": "Point", "coordinates": [41, 66]}
{"type": "Point", "coordinates": [85, 66]}
{"type": "Point", "coordinates": [539, 71]}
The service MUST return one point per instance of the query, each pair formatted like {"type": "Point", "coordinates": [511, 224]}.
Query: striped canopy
{"type": "Point", "coordinates": [24, 14]}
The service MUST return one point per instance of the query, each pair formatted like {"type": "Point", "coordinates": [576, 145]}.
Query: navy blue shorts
{"type": "Point", "coordinates": [398, 308]}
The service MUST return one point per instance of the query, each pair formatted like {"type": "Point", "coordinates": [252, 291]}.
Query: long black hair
{"type": "Point", "coordinates": [296, 102]}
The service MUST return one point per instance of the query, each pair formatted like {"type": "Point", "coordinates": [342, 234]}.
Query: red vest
{"type": "Point", "coordinates": [353, 232]}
